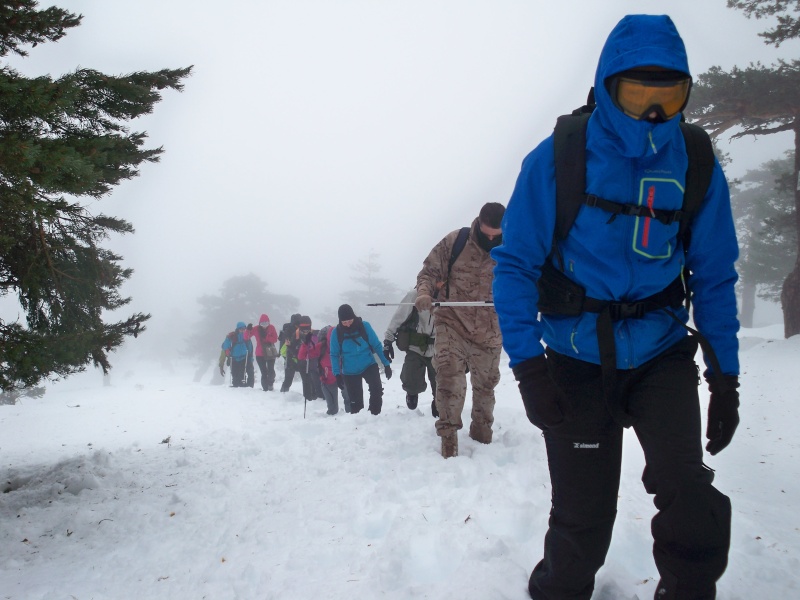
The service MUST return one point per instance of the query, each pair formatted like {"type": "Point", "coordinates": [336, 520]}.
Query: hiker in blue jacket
{"type": "Point", "coordinates": [239, 348]}
{"type": "Point", "coordinates": [353, 347]}
{"type": "Point", "coordinates": [621, 356]}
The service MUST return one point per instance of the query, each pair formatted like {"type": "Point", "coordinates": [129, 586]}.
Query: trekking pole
{"type": "Point", "coordinates": [305, 384]}
{"type": "Point", "coordinates": [435, 303]}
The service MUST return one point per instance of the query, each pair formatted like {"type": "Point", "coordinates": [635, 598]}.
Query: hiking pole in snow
{"type": "Point", "coordinates": [305, 391]}
{"type": "Point", "coordinates": [435, 303]}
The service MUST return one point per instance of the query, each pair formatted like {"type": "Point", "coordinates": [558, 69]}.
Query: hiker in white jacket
{"type": "Point", "coordinates": [412, 331]}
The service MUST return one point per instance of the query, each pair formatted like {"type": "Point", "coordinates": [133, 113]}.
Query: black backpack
{"type": "Point", "coordinates": [570, 161]}
{"type": "Point", "coordinates": [559, 295]}
{"type": "Point", "coordinates": [406, 328]}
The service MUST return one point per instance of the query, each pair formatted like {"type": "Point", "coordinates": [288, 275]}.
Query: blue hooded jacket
{"type": "Point", "coordinates": [242, 348]}
{"type": "Point", "coordinates": [628, 258]}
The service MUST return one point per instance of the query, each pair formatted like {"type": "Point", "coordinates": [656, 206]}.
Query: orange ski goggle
{"type": "Point", "coordinates": [666, 93]}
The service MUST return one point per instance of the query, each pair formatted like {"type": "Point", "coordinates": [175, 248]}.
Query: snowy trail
{"type": "Point", "coordinates": [250, 500]}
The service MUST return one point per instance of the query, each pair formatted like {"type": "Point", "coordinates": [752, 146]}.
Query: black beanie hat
{"type": "Point", "coordinates": [346, 312]}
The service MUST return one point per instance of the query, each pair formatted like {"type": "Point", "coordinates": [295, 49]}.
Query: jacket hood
{"type": "Point", "coordinates": [241, 325]}
{"type": "Point", "coordinates": [638, 41]}
{"type": "Point", "coordinates": [323, 333]}
{"type": "Point", "coordinates": [262, 319]}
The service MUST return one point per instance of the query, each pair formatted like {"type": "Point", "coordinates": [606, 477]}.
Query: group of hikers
{"type": "Point", "coordinates": [617, 220]}
{"type": "Point", "coordinates": [328, 360]}
{"type": "Point", "coordinates": [345, 355]}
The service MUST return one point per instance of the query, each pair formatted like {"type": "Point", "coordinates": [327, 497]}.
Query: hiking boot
{"type": "Point", "coordinates": [450, 445]}
{"type": "Point", "coordinates": [434, 410]}
{"type": "Point", "coordinates": [480, 434]}
{"type": "Point", "coordinates": [411, 400]}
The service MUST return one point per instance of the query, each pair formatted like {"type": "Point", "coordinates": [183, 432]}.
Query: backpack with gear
{"type": "Point", "coordinates": [406, 328]}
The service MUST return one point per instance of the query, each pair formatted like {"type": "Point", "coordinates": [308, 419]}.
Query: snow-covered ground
{"type": "Point", "coordinates": [156, 487]}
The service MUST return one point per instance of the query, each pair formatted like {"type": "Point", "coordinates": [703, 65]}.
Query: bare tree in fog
{"type": "Point", "coordinates": [372, 288]}
{"type": "Point", "coordinates": [242, 298]}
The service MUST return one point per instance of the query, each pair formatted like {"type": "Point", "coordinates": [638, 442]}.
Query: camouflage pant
{"type": "Point", "coordinates": [452, 355]}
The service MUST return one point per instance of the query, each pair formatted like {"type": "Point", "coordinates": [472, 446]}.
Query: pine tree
{"type": "Point", "coordinates": [372, 288]}
{"type": "Point", "coordinates": [760, 100]}
{"type": "Point", "coordinates": [63, 141]}
{"type": "Point", "coordinates": [763, 208]}
{"type": "Point", "coordinates": [788, 26]}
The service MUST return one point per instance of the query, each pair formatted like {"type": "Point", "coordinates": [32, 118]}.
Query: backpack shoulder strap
{"type": "Point", "coordinates": [363, 331]}
{"type": "Point", "coordinates": [455, 252]}
{"type": "Point", "coordinates": [411, 321]}
{"type": "Point", "coordinates": [570, 162]}
{"type": "Point", "coordinates": [458, 247]}
{"type": "Point", "coordinates": [569, 140]}
{"type": "Point", "coordinates": [700, 152]}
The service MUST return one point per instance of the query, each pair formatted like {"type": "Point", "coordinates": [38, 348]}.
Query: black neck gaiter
{"type": "Point", "coordinates": [487, 244]}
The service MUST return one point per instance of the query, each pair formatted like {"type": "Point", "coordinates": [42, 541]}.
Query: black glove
{"type": "Point", "coordinates": [388, 370]}
{"type": "Point", "coordinates": [340, 382]}
{"type": "Point", "coordinates": [388, 350]}
{"type": "Point", "coordinates": [249, 327]}
{"type": "Point", "coordinates": [228, 361]}
{"type": "Point", "coordinates": [723, 413]}
{"type": "Point", "coordinates": [541, 396]}
{"type": "Point", "coordinates": [309, 336]}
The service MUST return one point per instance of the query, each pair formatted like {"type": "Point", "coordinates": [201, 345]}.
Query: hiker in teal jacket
{"type": "Point", "coordinates": [635, 155]}
{"type": "Point", "coordinates": [239, 348]}
{"type": "Point", "coordinates": [353, 347]}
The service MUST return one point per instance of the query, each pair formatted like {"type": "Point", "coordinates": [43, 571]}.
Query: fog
{"type": "Point", "coordinates": [315, 131]}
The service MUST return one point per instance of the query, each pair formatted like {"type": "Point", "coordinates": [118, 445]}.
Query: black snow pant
{"type": "Point", "coordinates": [242, 372]}
{"type": "Point", "coordinates": [352, 384]}
{"type": "Point", "coordinates": [412, 376]}
{"type": "Point", "coordinates": [691, 530]}
{"type": "Point", "coordinates": [309, 375]}
{"type": "Point", "coordinates": [289, 371]}
{"type": "Point", "coordinates": [267, 368]}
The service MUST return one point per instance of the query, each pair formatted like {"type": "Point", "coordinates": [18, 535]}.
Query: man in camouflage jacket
{"type": "Point", "coordinates": [467, 338]}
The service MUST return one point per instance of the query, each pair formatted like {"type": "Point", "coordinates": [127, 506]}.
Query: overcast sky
{"type": "Point", "coordinates": [314, 131]}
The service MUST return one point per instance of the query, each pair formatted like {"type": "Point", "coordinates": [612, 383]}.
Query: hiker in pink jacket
{"type": "Point", "coordinates": [265, 336]}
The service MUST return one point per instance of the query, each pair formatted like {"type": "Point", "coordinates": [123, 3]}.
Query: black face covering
{"type": "Point", "coordinates": [487, 244]}
{"type": "Point", "coordinates": [356, 321]}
